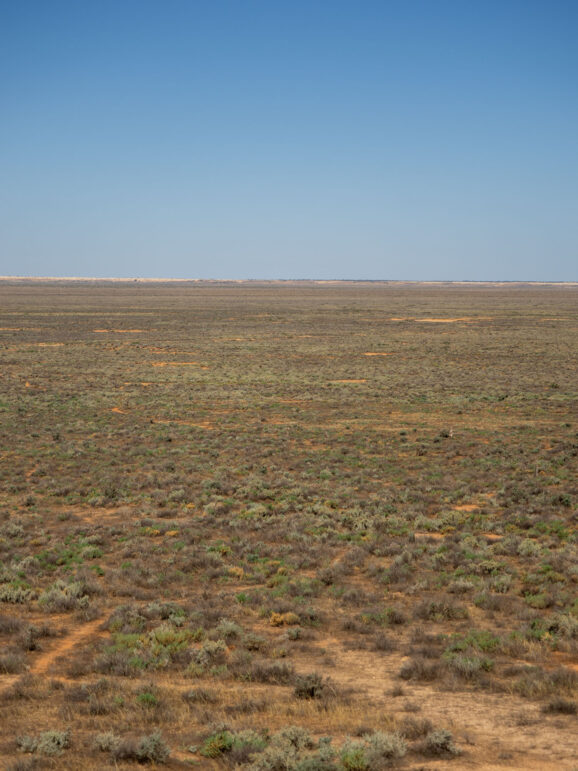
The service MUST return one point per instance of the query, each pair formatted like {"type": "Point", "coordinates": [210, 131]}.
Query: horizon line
{"type": "Point", "coordinates": [166, 279]}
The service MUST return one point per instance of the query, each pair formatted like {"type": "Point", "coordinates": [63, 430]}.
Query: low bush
{"type": "Point", "coordinates": [15, 594]}
{"type": "Point", "coordinates": [420, 669]}
{"type": "Point", "coordinates": [560, 706]}
{"type": "Point", "coordinates": [147, 749]}
{"type": "Point", "coordinates": [440, 610]}
{"type": "Point", "coordinates": [107, 742]}
{"type": "Point", "coordinates": [12, 663]}
{"type": "Point", "coordinates": [440, 742]}
{"type": "Point", "coordinates": [62, 597]}
{"type": "Point", "coordinates": [285, 751]}
{"type": "Point", "coordinates": [373, 751]}
{"type": "Point", "coordinates": [217, 744]}
{"type": "Point", "coordinates": [279, 672]}
{"type": "Point", "coordinates": [200, 696]}
{"type": "Point", "coordinates": [48, 743]}
{"type": "Point", "coordinates": [313, 686]}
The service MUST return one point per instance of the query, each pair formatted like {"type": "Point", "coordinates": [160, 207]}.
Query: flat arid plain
{"type": "Point", "coordinates": [273, 526]}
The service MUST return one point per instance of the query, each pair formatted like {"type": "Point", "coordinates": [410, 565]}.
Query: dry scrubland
{"type": "Point", "coordinates": [288, 526]}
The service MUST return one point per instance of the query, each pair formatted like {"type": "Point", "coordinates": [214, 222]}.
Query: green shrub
{"type": "Point", "coordinates": [353, 756]}
{"type": "Point", "coordinates": [147, 699]}
{"type": "Point", "coordinates": [467, 667]}
{"type": "Point", "coordinates": [217, 744]}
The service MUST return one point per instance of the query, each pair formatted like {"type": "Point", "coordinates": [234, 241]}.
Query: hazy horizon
{"type": "Point", "coordinates": [225, 280]}
{"type": "Point", "coordinates": [268, 141]}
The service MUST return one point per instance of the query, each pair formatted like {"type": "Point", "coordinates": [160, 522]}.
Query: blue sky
{"type": "Point", "coordinates": [412, 139]}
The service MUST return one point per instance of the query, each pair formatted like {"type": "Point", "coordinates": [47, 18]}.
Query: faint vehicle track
{"type": "Point", "coordinates": [44, 662]}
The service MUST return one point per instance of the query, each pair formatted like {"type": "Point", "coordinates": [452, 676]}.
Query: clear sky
{"type": "Point", "coordinates": [402, 139]}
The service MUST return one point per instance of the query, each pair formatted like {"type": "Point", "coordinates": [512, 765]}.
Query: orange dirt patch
{"type": "Point", "coordinates": [565, 660]}
{"type": "Point", "coordinates": [43, 664]}
{"type": "Point", "coordinates": [377, 353]}
{"type": "Point", "coordinates": [436, 536]}
{"type": "Point", "coordinates": [206, 424]}
{"type": "Point", "coordinates": [443, 321]}
{"type": "Point", "coordinates": [110, 515]}
{"type": "Point", "coordinates": [466, 507]}
{"type": "Point", "coordinates": [118, 411]}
